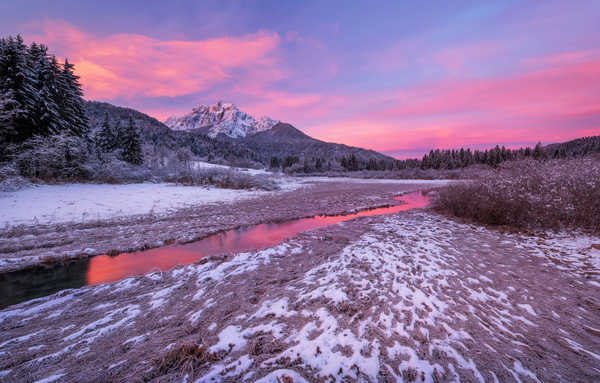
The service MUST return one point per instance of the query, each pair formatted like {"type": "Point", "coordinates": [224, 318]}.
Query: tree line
{"type": "Point", "coordinates": [41, 97]}
{"type": "Point", "coordinates": [38, 94]}
{"type": "Point", "coordinates": [125, 142]}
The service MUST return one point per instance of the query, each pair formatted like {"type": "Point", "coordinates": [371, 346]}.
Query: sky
{"type": "Point", "coordinates": [400, 77]}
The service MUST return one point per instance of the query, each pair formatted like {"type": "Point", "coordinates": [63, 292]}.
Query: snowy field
{"type": "Point", "coordinates": [208, 165]}
{"type": "Point", "coordinates": [84, 202]}
{"type": "Point", "coordinates": [45, 204]}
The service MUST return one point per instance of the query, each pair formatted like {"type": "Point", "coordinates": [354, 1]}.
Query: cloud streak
{"type": "Point", "coordinates": [133, 65]}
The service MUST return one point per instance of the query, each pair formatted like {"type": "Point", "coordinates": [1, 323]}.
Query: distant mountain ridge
{"type": "Point", "coordinates": [221, 118]}
{"type": "Point", "coordinates": [250, 142]}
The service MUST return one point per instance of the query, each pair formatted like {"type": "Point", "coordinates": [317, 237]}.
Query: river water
{"type": "Point", "coordinates": [28, 284]}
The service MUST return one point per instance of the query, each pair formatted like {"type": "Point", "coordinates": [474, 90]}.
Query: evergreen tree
{"type": "Point", "coordinates": [274, 162]}
{"type": "Point", "coordinates": [319, 164]}
{"type": "Point", "coordinates": [38, 95]}
{"type": "Point", "coordinates": [132, 148]}
{"type": "Point", "coordinates": [72, 104]}
{"type": "Point", "coordinates": [46, 112]}
{"type": "Point", "coordinates": [538, 152]}
{"type": "Point", "coordinates": [17, 92]}
{"type": "Point", "coordinates": [106, 138]}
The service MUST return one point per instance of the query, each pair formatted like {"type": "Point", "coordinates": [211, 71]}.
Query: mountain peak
{"type": "Point", "coordinates": [221, 117]}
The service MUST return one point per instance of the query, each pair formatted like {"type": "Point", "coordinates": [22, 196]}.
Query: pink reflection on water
{"type": "Point", "coordinates": [104, 268]}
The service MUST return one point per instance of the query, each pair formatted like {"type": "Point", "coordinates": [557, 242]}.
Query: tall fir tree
{"type": "Point", "coordinates": [46, 112]}
{"type": "Point", "coordinates": [132, 148]}
{"type": "Point", "coordinates": [17, 91]}
{"type": "Point", "coordinates": [107, 138]}
{"type": "Point", "coordinates": [38, 95]}
{"type": "Point", "coordinates": [72, 104]}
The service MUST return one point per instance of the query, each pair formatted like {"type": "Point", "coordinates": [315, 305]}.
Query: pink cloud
{"type": "Point", "coordinates": [567, 89]}
{"type": "Point", "coordinates": [127, 65]}
{"type": "Point", "coordinates": [544, 104]}
{"type": "Point", "coordinates": [454, 59]}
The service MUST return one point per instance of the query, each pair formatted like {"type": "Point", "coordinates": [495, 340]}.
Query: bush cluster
{"type": "Point", "coordinates": [531, 194]}
{"type": "Point", "coordinates": [223, 178]}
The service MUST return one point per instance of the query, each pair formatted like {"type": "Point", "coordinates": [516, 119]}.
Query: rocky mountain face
{"type": "Point", "coordinates": [221, 118]}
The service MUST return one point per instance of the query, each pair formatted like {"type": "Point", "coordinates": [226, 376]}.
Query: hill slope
{"type": "Point", "coordinates": [285, 140]}
{"type": "Point", "coordinates": [257, 146]}
{"type": "Point", "coordinates": [574, 148]}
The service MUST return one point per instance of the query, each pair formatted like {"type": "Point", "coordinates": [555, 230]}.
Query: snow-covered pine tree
{"type": "Point", "coordinates": [106, 138]}
{"type": "Point", "coordinates": [132, 148]}
{"type": "Point", "coordinates": [38, 96]}
{"type": "Point", "coordinates": [17, 92]}
{"type": "Point", "coordinates": [46, 112]}
{"type": "Point", "coordinates": [72, 104]}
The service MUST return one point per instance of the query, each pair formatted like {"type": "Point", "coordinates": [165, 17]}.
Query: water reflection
{"type": "Point", "coordinates": [105, 268]}
{"type": "Point", "coordinates": [19, 286]}
{"type": "Point", "coordinates": [29, 284]}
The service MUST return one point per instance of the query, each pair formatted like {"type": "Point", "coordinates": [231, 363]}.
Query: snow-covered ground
{"type": "Point", "coordinates": [208, 165]}
{"type": "Point", "coordinates": [433, 183]}
{"type": "Point", "coordinates": [84, 202]}
{"type": "Point", "coordinates": [45, 204]}
{"type": "Point", "coordinates": [412, 297]}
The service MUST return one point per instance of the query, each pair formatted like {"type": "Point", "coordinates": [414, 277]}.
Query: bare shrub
{"type": "Point", "coordinates": [223, 178]}
{"type": "Point", "coordinates": [531, 194]}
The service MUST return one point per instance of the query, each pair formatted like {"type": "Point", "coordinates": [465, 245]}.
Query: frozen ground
{"type": "Point", "coordinates": [47, 204]}
{"type": "Point", "coordinates": [208, 165]}
{"type": "Point", "coordinates": [84, 202]}
{"type": "Point", "coordinates": [44, 204]}
{"type": "Point", "coordinates": [408, 297]}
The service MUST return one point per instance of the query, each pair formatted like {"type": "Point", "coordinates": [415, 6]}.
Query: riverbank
{"type": "Point", "coordinates": [413, 296]}
{"type": "Point", "coordinates": [180, 221]}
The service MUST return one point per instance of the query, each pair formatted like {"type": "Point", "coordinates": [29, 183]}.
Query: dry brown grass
{"type": "Point", "coordinates": [531, 194]}
{"type": "Point", "coordinates": [184, 359]}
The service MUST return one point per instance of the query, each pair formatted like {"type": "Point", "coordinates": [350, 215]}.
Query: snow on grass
{"type": "Point", "coordinates": [46, 204]}
{"type": "Point", "coordinates": [208, 165]}
{"type": "Point", "coordinates": [282, 375]}
{"type": "Point", "coordinates": [160, 297]}
{"type": "Point", "coordinates": [277, 308]}
{"type": "Point", "coordinates": [89, 333]}
{"type": "Point", "coordinates": [36, 307]}
{"type": "Point", "coordinates": [379, 181]}
{"type": "Point", "coordinates": [397, 301]}
{"type": "Point", "coordinates": [21, 338]}
{"type": "Point", "coordinates": [51, 378]}
{"type": "Point", "coordinates": [406, 301]}
{"type": "Point", "coordinates": [577, 253]}
{"type": "Point", "coordinates": [230, 338]}
{"type": "Point", "coordinates": [241, 263]}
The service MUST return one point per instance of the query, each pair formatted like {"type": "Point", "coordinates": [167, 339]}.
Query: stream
{"type": "Point", "coordinates": [28, 284]}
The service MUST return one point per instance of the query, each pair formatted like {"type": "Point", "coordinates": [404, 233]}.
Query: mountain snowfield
{"type": "Point", "coordinates": [221, 117]}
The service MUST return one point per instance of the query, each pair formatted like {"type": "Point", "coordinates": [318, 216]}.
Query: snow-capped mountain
{"type": "Point", "coordinates": [223, 118]}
